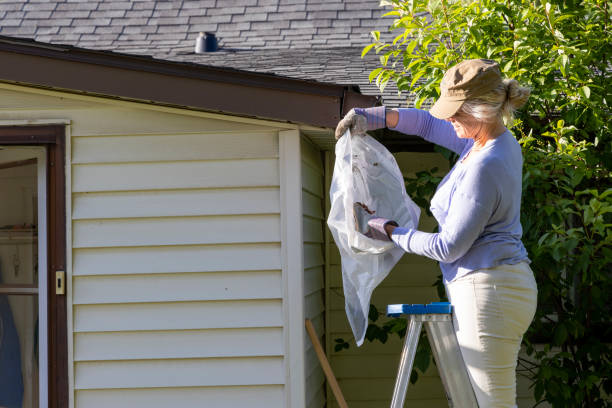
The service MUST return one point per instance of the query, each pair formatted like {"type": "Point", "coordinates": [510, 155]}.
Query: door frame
{"type": "Point", "coordinates": [53, 137]}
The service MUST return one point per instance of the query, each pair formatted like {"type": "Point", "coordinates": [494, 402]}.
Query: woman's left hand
{"type": "Point", "coordinates": [380, 227]}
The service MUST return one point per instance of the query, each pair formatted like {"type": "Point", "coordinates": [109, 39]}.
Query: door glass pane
{"type": "Point", "coordinates": [18, 283]}
{"type": "Point", "coordinates": [19, 351]}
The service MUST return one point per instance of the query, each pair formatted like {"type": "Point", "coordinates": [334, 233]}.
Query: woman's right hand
{"type": "Point", "coordinates": [356, 123]}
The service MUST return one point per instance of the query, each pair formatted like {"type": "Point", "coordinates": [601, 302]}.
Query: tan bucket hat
{"type": "Point", "coordinates": [466, 80]}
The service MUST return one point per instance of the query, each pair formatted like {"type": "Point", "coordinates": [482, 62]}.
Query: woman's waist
{"type": "Point", "coordinates": [492, 248]}
{"type": "Point", "coordinates": [516, 276]}
{"type": "Point", "coordinates": [486, 254]}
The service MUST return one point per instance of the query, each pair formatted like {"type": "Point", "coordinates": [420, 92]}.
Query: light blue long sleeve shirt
{"type": "Point", "coordinates": [477, 205]}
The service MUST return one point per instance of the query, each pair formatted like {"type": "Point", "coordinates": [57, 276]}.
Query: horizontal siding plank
{"type": "Point", "coordinates": [175, 175]}
{"type": "Point", "coordinates": [315, 381]}
{"type": "Point", "coordinates": [313, 255]}
{"type": "Point", "coordinates": [312, 181]}
{"type": "Point", "coordinates": [312, 167]}
{"type": "Point", "coordinates": [417, 274]}
{"type": "Point", "coordinates": [178, 344]}
{"type": "Point", "coordinates": [12, 99]}
{"type": "Point", "coordinates": [406, 259]}
{"type": "Point", "coordinates": [312, 230]}
{"type": "Point", "coordinates": [125, 120]}
{"type": "Point", "coordinates": [205, 258]}
{"type": "Point", "coordinates": [116, 149]}
{"type": "Point", "coordinates": [338, 322]}
{"type": "Point", "coordinates": [383, 296]}
{"type": "Point", "coordinates": [312, 205]}
{"type": "Point", "coordinates": [134, 204]}
{"type": "Point", "coordinates": [384, 365]}
{"type": "Point", "coordinates": [311, 361]}
{"type": "Point", "coordinates": [524, 388]}
{"type": "Point", "coordinates": [385, 357]}
{"type": "Point", "coordinates": [104, 121]}
{"type": "Point", "coordinates": [529, 402]}
{"type": "Point", "coordinates": [176, 231]}
{"type": "Point", "coordinates": [373, 389]}
{"type": "Point", "coordinates": [393, 346]}
{"type": "Point", "coordinates": [179, 373]}
{"type": "Point", "coordinates": [411, 162]}
{"type": "Point", "coordinates": [379, 366]}
{"type": "Point", "coordinates": [311, 154]}
{"type": "Point", "coordinates": [421, 402]}
{"type": "Point", "coordinates": [177, 316]}
{"type": "Point", "coordinates": [315, 398]}
{"type": "Point", "coordinates": [177, 287]}
{"type": "Point", "coordinates": [313, 304]}
{"type": "Point", "coordinates": [313, 280]}
{"type": "Point", "coordinates": [191, 397]}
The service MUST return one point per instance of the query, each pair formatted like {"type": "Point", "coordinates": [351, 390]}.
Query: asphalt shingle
{"type": "Point", "coordinates": [257, 35]}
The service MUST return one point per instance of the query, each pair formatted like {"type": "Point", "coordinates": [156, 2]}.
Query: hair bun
{"type": "Point", "coordinates": [517, 95]}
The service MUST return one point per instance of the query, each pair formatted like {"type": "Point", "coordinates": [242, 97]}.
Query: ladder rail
{"type": "Point", "coordinates": [406, 362]}
{"type": "Point", "coordinates": [451, 367]}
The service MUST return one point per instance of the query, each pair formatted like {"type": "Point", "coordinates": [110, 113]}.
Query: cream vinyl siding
{"type": "Point", "coordinates": [176, 254]}
{"type": "Point", "coordinates": [367, 374]}
{"type": "Point", "coordinates": [314, 282]}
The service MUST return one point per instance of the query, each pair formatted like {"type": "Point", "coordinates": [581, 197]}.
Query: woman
{"type": "Point", "coordinates": [477, 205]}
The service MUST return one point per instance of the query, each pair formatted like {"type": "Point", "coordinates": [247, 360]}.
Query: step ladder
{"type": "Point", "coordinates": [439, 325]}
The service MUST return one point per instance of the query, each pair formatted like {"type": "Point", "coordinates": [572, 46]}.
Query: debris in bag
{"type": "Point", "coordinates": [366, 183]}
{"type": "Point", "coordinates": [362, 214]}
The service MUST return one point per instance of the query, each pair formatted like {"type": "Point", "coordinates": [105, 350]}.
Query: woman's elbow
{"type": "Point", "coordinates": [449, 252]}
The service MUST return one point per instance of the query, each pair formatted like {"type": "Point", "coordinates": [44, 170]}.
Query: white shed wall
{"type": "Point", "coordinates": [314, 281]}
{"type": "Point", "coordinates": [176, 254]}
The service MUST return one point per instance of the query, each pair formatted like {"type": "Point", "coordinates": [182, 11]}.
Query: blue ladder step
{"type": "Point", "coordinates": [431, 308]}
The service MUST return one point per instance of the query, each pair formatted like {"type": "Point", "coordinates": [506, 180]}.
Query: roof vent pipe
{"type": "Point", "coordinates": [206, 44]}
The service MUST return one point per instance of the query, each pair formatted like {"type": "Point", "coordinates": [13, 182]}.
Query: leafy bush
{"type": "Point", "coordinates": [567, 221]}
{"type": "Point", "coordinates": [561, 51]}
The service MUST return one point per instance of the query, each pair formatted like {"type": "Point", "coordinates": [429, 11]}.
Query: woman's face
{"type": "Point", "coordinates": [465, 125]}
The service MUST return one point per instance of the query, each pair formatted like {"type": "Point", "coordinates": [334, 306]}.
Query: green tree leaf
{"type": "Point", "coordinates": [586, 91]}
{"type": "Point", "coordinates": [367, 49]}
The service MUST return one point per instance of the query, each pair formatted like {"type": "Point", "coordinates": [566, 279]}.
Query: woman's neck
{"type": "Point", "coordinates": [486, 133]}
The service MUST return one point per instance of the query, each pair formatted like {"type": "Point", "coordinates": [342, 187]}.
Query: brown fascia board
{"type": "Point", "coordinates": [193, 86]}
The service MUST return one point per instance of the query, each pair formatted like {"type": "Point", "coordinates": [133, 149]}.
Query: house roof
{"type": "Point", "coordinates": [311, 47]}
{"type": "Point", "coordinates": [318, 40]}
{"type": "Point", "coordinates": [141, 26]}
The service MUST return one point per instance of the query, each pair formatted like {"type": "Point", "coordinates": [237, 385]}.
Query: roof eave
{"type": "Point", "coordinates": [194, 86]}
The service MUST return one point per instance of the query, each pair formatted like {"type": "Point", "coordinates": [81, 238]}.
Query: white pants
{"type": "Point", "coordinates": [492, 310]}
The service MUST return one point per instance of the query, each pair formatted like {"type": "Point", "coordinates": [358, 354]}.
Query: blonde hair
{"type": "Point", "coordinates": [500, 102]}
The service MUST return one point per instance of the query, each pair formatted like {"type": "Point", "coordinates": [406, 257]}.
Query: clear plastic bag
{"type": "Point", "coordinates": [366, 183]}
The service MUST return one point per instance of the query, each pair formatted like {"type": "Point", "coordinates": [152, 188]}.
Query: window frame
{"type": "Point", "coordinates": [53, 138]}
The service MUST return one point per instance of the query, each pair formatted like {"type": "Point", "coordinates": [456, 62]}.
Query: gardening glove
{"type": "Point", "coordinates": [377, 228]}
{"type": "Point", "coordinates": [359, 120]}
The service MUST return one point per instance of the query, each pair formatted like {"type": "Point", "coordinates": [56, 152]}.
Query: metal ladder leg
{"type": "Point", "coordinates": [452, 369]}
{"type": "Point", "coordinates": [407, 358]}
{"type": "Point", "coordinates": [437, 317]}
